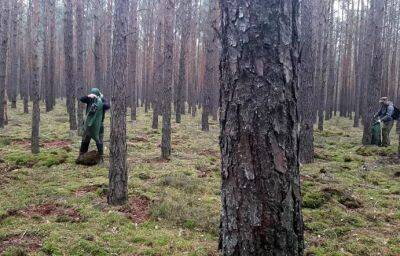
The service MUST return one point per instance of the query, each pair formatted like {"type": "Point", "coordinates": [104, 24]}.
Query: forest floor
{"type": "Point", "coordinates": [50, 206]}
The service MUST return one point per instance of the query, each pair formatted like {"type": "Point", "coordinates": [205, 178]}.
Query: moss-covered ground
{"type": "Point", "coordinates": [50, 206]}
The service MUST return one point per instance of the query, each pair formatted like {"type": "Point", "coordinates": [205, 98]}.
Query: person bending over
{"type": "Point", "coordinates": [96, 107]}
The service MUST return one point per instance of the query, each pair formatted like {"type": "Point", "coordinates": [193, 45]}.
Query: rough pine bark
{"type": "Point", "coordinates": [118, 175]}
{"type": "Point", "coordinates": [45, 58]}
{"type": "Point", "coordinates": [5, 9]}
{"type": "Point", "coordinates": [69, 65]}
{"type": "Point", "coordinates": [306, 106]}
{"type": "Point", "coordinates": [35, 79]}
{"type": "Point", "coordinates": [13, 80]}
{"type": "Point", "coordinates": [28, 52]}
{"type": "Point", "coordinates": [374, 83]}
{"type": "Point", "coordinates": [209, 75]}
{"type": "Point", "coordinates": [169, 6]}
{"type": "Point", "coordinates": [185, 34]}
{"type": "Point", "coordinates": [261, 201]}
{"type": "Point", "coordinates": [158, 67]}
{"type": "Point", "coordinates": [52, 53]}
{"type": "Point", "coordinates": [80, 43]}
{"type": "Point", "coordinates": [133, 47]}
{"type": "Point", "coordinates": [98, 70]}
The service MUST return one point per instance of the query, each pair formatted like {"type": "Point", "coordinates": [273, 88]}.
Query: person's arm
{"type": "Point", "coordinates": [389, 113]}
{"type": "Point", "coordinates": [106, 105]}
{"type": "Point", "coordinates": [85, 99]}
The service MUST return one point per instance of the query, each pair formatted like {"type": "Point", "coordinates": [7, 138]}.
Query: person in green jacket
{"type": "Point", "coordinates": [96, 106]}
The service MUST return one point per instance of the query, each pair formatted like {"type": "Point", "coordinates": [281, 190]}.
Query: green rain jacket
{"type": "Point", "coordinates": [94, 115]}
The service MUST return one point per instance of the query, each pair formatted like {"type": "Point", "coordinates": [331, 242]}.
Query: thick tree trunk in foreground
{"type": "Point", "coordinates": [118, 176]}
{"type": "Point", "coordinates": [3, 56]}
{"type": "Point", "coordinates": [306, 106]}
{"type": "Point", "coordinates": [35, 79]}
{"type": "Point", "coordinates": [374, 83]}
{"type": "Point", "coordinates": [167, 88]}
{"type": "Point", "coordinates": [69, 64]}
{"type": "Point", "coordinates": [261, 202]}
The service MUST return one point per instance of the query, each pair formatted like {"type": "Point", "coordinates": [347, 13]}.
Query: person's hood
{"type": "Point", "coordinates": [96, 92]}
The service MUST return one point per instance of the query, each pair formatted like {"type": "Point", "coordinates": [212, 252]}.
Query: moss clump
{"type": "Point", "coordinates": [375, 151]}
{"type": "Point", "coordinates": [314, 200]}
{"type": "Point", "coordinates": [5, 141]}
{"type": "Point", "coordinates": [44, 158]}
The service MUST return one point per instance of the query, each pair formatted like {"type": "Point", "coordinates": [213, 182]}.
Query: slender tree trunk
{"type": "Point", "coordinates": [80, 39]}
{"type": "Point", "coordinates": [185, 31]}
{"type": "Point", "coordinates": [35, 79]}
{"type": "Point", "coordinates": [168, 79]}
{"type": "Point", "coordinates": [45, 85]}
{"type": "Point", "coordinates": [306, 86]}
{"type": "Point", "coordinates": [98, 70]}
{"type": "Point", "coordinates": [261, 201]}
{"type": "Point", "coordinates": [118, 176]}
{"type": "Point", "coordinates": [13, 79]}
{"type": "Point", "coordinates": [5, 9]}
{"type": "Point", "coordinates": [133, 46]}
{"type": "Point", "coordinates": [158, 66]}
{"type": "Point", "coordinates": [69, 62]}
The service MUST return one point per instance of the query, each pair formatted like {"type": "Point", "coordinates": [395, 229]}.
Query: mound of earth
{"type": "Point", "coordinates": [88, 159]}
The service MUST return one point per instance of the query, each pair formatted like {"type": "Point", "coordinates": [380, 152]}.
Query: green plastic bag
{"type": "Point", "coordinates": [376, 134]}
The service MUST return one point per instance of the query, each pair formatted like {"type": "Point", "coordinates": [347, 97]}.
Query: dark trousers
{"type": "Point", "coordinates": [86, 142]}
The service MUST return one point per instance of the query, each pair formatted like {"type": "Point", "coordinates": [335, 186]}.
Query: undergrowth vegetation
{"type": "Point", "coordinates": [48, 205]}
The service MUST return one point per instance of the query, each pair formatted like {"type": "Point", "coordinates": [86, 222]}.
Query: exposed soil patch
{"type": "Point", "coordinates": [140, 139]}
{"type": "Point", "coordinates": [156, 160]}
{"type": "Point", "coordinates": [29, 243]}
{"type": "Point", "coordinates": [26, 144]}
{"type": "Point", "coordinates": [343, 197]}
{"type": "Point", "coordinates": [137, 209]}
{"type": "Point", "coordinates": [63, 213]}
{"type": "Point", "coordinates": [6, 168]}
{"type": "Point", "coordinates": [392, 159]}
{"type": "Point", "coordinates": [90, 188]}
{"type": "Point", "coordinates": [58, 144]}
{"type": "Point", "coordinates": [209, 152]}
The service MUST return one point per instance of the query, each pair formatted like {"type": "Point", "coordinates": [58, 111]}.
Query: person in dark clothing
{"type": "Point", "coordinates": [94, 123]}
{"type": "Point", "coordinates": [385, 117]}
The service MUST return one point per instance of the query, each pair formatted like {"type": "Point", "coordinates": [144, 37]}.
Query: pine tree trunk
{"type": "Point", "coordinates": [158, 66]}
{"type": "Point", "coordinates": [98, 70]}
{"type": "Point", "coordinates": [5, 9]}
{"type": "Point", "coordinates": [133, 46]}
{"type": "Point", "coordinates": [35, 79]}
{"type": "Point", "coordinates": [168, 79]}
{"type": "Point", "coordinates": [45, 84]}
{"type": "Point", "coordinates": [69, 62]}
{"type": "Point", "coordinates": [118, 176]}
{"type": "Point", "coordinates": [13, 79]}
{"type": "Point", "coordinates": [261, 202]}
{"type": "Point", "coordinates": [374, 84]}
{"type": "Point", "coordinates": [80, 42]}
{"type": "Point", "coordinates": [180, 102]}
